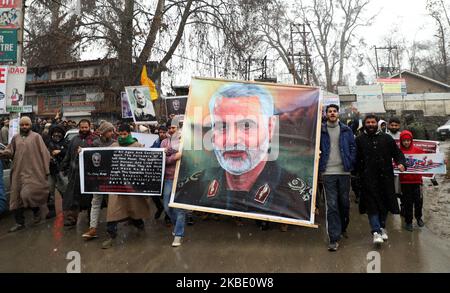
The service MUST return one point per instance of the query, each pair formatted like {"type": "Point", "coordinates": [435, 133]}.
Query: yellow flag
{"type": "Point", "coordinates": [145, 80]}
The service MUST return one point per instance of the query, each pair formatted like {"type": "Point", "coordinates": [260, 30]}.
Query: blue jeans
{"type": "Point", "coordinates": [377, 221]}
{"type": "Point", "coordinates": [3, 203]}
{"type": "Point", "coordinates": [337, 189]}
{"type": "Point", "coordinates": [177, 216]}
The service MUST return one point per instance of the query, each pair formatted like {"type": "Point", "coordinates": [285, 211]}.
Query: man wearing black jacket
{"type": "Point", "coordinates": [375, 152]}
{"type": "Point", "coordinates": [73, 201]}
{"type": "Point", "coordinates": [57, 146]}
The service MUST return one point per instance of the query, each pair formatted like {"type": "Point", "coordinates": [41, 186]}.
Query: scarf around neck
{"type": "Point", "coordinates": [126, 141]}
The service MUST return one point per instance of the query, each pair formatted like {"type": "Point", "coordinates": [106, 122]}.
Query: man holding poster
{"type": "Point", "coordinates": [124, 207]}
{"type": "Point", "coordinates": [248, 176]}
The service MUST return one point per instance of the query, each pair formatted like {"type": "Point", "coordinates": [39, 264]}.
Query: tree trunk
{"type": "Point", "coordinates": [125, 53]}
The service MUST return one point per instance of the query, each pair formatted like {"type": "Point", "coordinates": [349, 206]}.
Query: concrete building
{"type": "Point", "coordinates": [79, 89]}
{"type": "Point", "coordinates": [420, 84]}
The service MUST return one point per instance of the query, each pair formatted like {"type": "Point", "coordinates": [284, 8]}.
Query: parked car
{"type": "Point", "coordinates": [71, 133]}
{"type": "Point", "coordinates": [444, 131]}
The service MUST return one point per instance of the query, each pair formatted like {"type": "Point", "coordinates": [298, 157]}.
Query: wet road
{"type": "Point", "coordinates": [220, 246]}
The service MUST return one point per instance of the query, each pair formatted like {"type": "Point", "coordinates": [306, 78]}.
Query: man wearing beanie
{"type": "Point", "coordinates": [106, 131]}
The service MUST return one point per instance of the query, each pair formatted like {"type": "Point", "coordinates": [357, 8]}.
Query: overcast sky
{"type": "Point", "coordinates": [409, 16]}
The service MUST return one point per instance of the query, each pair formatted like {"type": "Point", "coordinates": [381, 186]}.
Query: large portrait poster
{"type": "Point", "coordinates": [176, 105]}
{"type": "Point", "coordinates": [126, 171]}
{"type": "Point", "coordinates": [141, 105]}
{"type": "Point", "coordinates": [250, 150]}
{"type": "Point", "coordinates": [126, 110]}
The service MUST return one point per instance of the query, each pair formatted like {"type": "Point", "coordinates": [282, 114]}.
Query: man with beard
{"type": "Point", "coordinates": [171, 146]}
{"type": "Point", "coordinates": [394, 132]}
{"type": "Point", "coordinates": [74, 201]}
{"type": "Point", "coordinates": [162, 135]}
{"type": "Point", "coordinates": [57, 146]}
{"type": "Point", "coordinates": [105, 139]}
{"type": "Point", "coordinates": [29, 171]}
{"type": "Point", "coordinates": [243, 125]}
{"type": "Point", "coordinates": [394, 128]}
{"type": "Point", "coordinates": [375, 152]}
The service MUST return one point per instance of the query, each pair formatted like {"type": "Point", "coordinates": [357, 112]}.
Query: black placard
{"type": "Point", "coordinates": [126, 171]}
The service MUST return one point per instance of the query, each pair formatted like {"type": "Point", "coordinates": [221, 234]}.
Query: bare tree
{"type": "Point", "coordinates": [132, 30]}
{"type": "Point", "coordinates": [439, 12]}
{"type": "Point", "coordinates": [52, 34]}
{"type": "Point", "coordinates": [333, 39]}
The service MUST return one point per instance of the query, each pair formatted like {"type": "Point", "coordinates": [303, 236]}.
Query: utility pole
{"type": "Point", "coordinates": [393, 61]}
{"type": "Point", "coordinates": [21, 36]}
{"type": "Point", "coordinates": [292, 65]}
{"type": "Point", "coordinates": [307, 55]}
{"type": "Point", "coordinates": [304, 58]}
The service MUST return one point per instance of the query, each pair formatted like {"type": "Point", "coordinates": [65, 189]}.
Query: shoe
{"type": "Point", "coordinates": [158, 213]}
{"type": "Point", "coordinates": [283, 227]}
{"type": "Point", "coordinates": [384, 234]}
{"type": "Point", "coordinates": [344, 235]}
{"type": "Point", "coordinates": [16, 227]}
{"type": "Point", "coordinates": [51, 212]}
{"type": "Point", "coordinates": [90, 234]}
{"type": "Point", "coordinates": [108, 243]}
{"type": "Point", "coordinates": [167, 221]}
{"type": "Point", "coordinates": [409, 227]}
{"type": "Point", "coordinates": [190, 221]}
{"type": "Point", "coordinates": [333, 246]}
{"type": "Point", "coordinates": [377, 238]}
{"type": "Point", "coordinates": [420, 223]}
{"type": "Point", "coordinates": [176, 241]}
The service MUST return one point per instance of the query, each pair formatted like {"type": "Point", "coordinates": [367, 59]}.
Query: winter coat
{"type": "Point", "coordinates": [171, 144]}
{"type": "Point", "coordinates": [56, 161]}
{"type": "Point", "coordinates": [99, 143]}
{"type": "Point", "coordinates": [73, 199]}
{"type": "Point", "coordinates": [121, 207]}
{"type": "Point", "coordinates": [410, 178]}
{"type": "Point", "coordinates": [374, 167]}
{"type": "Point", "coordinates": [346, 144]}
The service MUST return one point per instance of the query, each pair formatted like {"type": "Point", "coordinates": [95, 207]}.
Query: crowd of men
{"type": "Point", "coordinates": [360, 158]}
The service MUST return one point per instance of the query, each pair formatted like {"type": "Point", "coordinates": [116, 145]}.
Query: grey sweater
{"type": "Point", "coordinates": [334, 164]}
